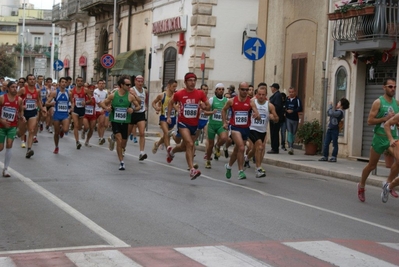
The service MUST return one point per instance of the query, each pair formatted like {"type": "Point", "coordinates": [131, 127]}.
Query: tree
{"type": "Point", "coordinates": [7, 65]}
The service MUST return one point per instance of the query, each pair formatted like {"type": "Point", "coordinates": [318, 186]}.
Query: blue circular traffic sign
{"type": "Point", "coordinates": [58, 65]}
{"type": "Point", "coordinates": [107, 61]}
{"type": "Point", "coordinates": [254, 48]}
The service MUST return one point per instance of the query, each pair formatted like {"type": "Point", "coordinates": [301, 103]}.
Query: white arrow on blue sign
{"type": "Point", "coordinates": [58, 65]}
{"type": "Point", "coordinates": [254, 48]}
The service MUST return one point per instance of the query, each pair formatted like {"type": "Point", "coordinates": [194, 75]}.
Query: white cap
{"type": "Point", "coordinates": [219, 85]}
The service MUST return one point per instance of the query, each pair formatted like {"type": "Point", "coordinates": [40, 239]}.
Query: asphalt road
{"type": "Point", "coordinates": [79, 198]}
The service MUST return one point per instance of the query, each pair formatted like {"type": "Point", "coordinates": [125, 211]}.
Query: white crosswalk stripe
{"type": "Point", "coordinates": [337, 254]}
{"type": "Point", "coordinates": [104, 258]}
{"type": "Point", "coordinates": [219, 256]}
{"type": "Point", "coordinates": [6, 262]}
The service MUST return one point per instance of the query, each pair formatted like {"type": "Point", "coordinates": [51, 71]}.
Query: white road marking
{"type": "Point", "coordinates": [6, 262]}
{"type": "Point", "coordinates": [220, 256]}
{"type": "Point", "coordinates": [104, 258]}
{"type": "Point", "coordinates": [337, 255]}
{"type": "Point", "coordinates": [53, 249]}
{"type": "Point", "coordinates": [391, 245]}
{"type": "Point", "coordinates": [105, 235]}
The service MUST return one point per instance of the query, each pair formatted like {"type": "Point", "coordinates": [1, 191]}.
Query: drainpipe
{"type": "Point", "coordinates": [129, 19]}
{"type": "Point", "coordinates": [74, 51]}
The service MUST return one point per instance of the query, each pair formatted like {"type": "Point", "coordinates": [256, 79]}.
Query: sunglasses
{"type": "Point", "coordinates": [391, 86]}
{"type": "Point", "coordinates": [128, 84]}
{"type": "Point", "coordinates": [244, 89]}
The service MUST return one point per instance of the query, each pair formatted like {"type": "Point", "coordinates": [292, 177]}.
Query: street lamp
{"type": "Point", "coordinates": [23, 44]}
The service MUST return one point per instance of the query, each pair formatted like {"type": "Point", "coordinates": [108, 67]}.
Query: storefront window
{"type": "Point", "coordinates": [341, 83]}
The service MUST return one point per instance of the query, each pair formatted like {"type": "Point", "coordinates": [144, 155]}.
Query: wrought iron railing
{"type": "Point", "coordinates": [56, 12]}
{"type": "Point", "coordinates": [72, 7]}
{"type": "Point", "coordinates": [382, 24]}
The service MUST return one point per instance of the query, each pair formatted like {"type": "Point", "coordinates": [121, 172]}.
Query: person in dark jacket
{"type": "Point", "coordinates": [283, 125]}
{"type": "Point", "coordinates": [293, 106]}
{"type": "Point", "coordinates": [336, 115]}
{"type": "Point", "coordinates": [277, 101]}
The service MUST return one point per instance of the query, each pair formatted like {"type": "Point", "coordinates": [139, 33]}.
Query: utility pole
{"type": "Point", "coordinates": [23, 44]}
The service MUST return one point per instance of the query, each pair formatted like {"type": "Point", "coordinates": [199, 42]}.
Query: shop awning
{"type": "Point", "coordinates": [130, 63]}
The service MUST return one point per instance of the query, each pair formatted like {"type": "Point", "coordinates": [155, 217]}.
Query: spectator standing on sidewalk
{"type": "Point", "coordinates": [336, 115]}
{"type": "Point", "coordinates": [283, 126]}
{"type": "Point", "coordinates": [383, 108]}
{"type": "Point", "coordinates": [277, 101]}
{"type": "Point", "coordinates": [293, 106]}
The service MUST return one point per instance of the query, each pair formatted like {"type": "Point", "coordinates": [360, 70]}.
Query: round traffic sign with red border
{"type": "Point", "coordinates": [107, 61]}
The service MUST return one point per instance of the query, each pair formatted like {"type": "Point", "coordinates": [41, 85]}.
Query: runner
{"type": "Point", "coordinates": [215, 125]}
{"type": "Point", "coordinates": [258, 128]}
{"type": "Point", "coordinates": [40, 85]}
{"type": "Point", "coordinates": [190, 100]}
{"type": "Point", "coordinates": [61, 111]}
{"type": "Point", "coordinates": [89, 119]}
{"type": "Point", "coordinates": [11, 109]}
{"type": "Point", "coordinates": [160, 104]}
{"type": "Point", "coordinates": [77, 97]}
{"type": "Point", "coordinates": [121, 109]}
{"type": "Point", "coordinates": [241, 106]}
{"type": "Point", "coordinates": [138, 117]}
{"type": "Point", "coordinates": [100, 93]}
{"type": "Point", "coordinates": [32, 103]}
{"type": "Point", "coordinates": [50, 110]}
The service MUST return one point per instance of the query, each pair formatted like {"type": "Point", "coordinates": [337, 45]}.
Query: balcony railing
{"type": "Point", "coordinates": [60, 13]}
{"type": "Point", "coordinates": [89, 3]}
{"type": "Point", "coordinates": [72, 7]}
{"type": "Point", "coordinates": [383, 24]}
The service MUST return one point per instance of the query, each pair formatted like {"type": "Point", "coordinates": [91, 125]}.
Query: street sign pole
{"type": "Point", "coordinates": [148, 87]}
{"type": "Point", "coordinates": [203, 67]}
{"type": "Point", "coordinates": [106, 77]}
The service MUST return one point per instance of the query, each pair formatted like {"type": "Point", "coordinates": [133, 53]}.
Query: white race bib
{"type": "Point", "coordinates": [89, 110]}
{"type": "Point", "coordinates": [241, 117]}
{"type": "Point", "coordinates": [79, 102]}
{"type": "Point", "coordinates": [217, 116]}
{"type": "Point", "coordinates": [62, 106]}
{"type": "Point", "coordinates": [30, 104]}
{"type": "Point", "coordinates": [262, 120]}
{"type": "Point", "coordinates": [8, 113]}
{"type": "Point", "coordinates": [120, 114]}
{"type": "Point", "coordinates": [190, 110]}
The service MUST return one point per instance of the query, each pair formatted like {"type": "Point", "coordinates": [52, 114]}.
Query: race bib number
{"type": "Point", "coordinates": [120, 114]}
{"type": "Point", "coordinates": [262, 120]}
{"type": "Point", "coordinates": [203, 116]}
{"type": "Point", "coordinates": [79, 102]}
{"type": "Point", "coordinates": [172, 112]}
{"type": "Point", "coordinates": [8, 113]}
{"type": "Point", "coordinates": [30, 104]}
{"type": "Point", "coordinates": [241, 117]}
{"type": "Point", "coordinates": [43, 94]}
{"type": "Point", "coordinates": [217, 116]}
{"type": "Point", "coordinates": [62, 106]}
{"type": "Point", "coordinates": [89, 110]}
{"type": "Point", "coordinates": [190, 110]}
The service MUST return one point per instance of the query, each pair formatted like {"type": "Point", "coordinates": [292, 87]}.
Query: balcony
{"type": "Point", "coordinates": [75, 13]}
{"type": "Point", "coordinates": [134, 3]}
{"type": "Point", "coordinates": [60, 16]}
{"type": "Point", "coordinates": [356, 31]}
{"type": "Point", "coordinates": [97, 7]}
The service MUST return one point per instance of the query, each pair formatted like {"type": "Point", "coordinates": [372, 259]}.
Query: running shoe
{"type": "Point", "coordinates": [155, 148]}
{"type": "Point", "coordinates": [102, 141]}
{"type": "Point", "coordinates": [50, 129]}
{"type": "Point", "coordinates": [291, 151]}
{"type": "Point", "coordinates": [195, 166]}
{"type": "Point", "coordinates": [169, 158]}
{"type": "Point", "coordinates": [217, 152]}
{"type": "Point", "coordinates": [6, 174]}
{"type": "Point", "coordinates": [142, 157]}
{"type": "Point", "coordinates": [134, 139]}
{"type": "Point", "coordinates": [61, 133]}
{"type": "Point", "coordinates": [131, 137]}
{"type": "Point", "coordinates": [35, 140]}
{"type": "Point", "coordinates": [78, 145]}
{"type": "Point", "coordinates": [196, 142]}
{"type": "Point", "coordinates": [260, 173]}
{"type": "Point", "coordinates": [23, 145]}
{"type": "Point", "coordinates": [111, 142]}
{"type": "Point", "coordinates": [228, 171]}
{"type": "Point", "coordinates": [194, 173]}
{"type": "Point", "coordinates": [385, 193]}
{"type": "Point", "coordinates": [246, 164]}
{"type": "Point", "coordinates": [332, 159]}
{"type": "Point", "coordinates": [226, 153]}
{"type": "Point", "coordinates": [122, 166]}
{"type": "Point", "coordinates": [393, 193]}
{"type": "Point", "coordinates": [41, 127]}
{"type": "Point", "coordinates": [208, 164]}
{"type": "Point", "coordinates": [29, 153]}
{"type": "Point", "coordinates": [171, 132]}
{"type": "Point", "coordinates": [241, 175]}
{"type": "Point", "coordinates": [87, 144]}
{"type": "Point", "coordinates": [360, 193]}
{"type": "Point", "coordinates": [83, 135]}
{"type": "Point", "coordinates": [323, 159]}
{"type": "Point", "coordinates": [56, 150]}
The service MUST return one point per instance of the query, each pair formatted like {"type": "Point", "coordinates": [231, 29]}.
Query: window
{"type": "Point", "coordinates": [56, 40]}
{"type": "Point", "coordinates": [341, 83]}
{"type": "Point", "coordinates": [37, 40]}
{"type": "Point", "coordinates": [8, 28]}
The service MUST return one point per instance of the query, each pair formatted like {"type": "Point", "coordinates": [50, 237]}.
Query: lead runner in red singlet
{"type": "Point", "coordinates": [190, 100]}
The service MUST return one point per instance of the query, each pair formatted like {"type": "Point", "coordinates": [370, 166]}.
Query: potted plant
{"type": "Point", "coordinates": [310, 133]}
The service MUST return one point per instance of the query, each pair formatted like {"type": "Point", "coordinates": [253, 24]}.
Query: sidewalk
{"type": "Point", "coordinates": [344, 168]}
